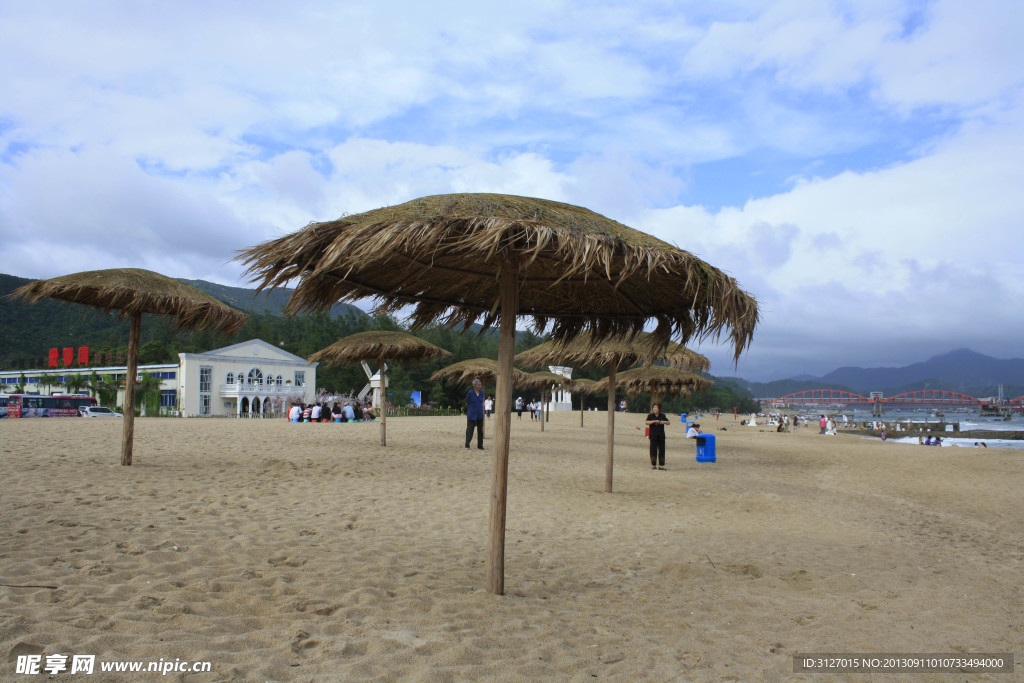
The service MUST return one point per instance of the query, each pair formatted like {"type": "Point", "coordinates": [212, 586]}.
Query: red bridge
{"type": "Point", "coordinates": [926, 397]}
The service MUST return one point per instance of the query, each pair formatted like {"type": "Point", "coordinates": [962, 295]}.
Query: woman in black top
{"type": "Point", "coordinates": [656, 422]}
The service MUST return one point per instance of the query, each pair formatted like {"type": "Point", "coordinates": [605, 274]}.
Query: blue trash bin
{"type": "Point", "coordinates": [705, 448]}
{"type": "Point", "coordinates": [682, 417]}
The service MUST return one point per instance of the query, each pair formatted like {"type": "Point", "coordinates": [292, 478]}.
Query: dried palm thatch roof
{"type": "Point", "coordinates": [398, 346]}
{"type": "Point", "coordinates": [543, 379]}
{"type": "Point", "coordinates": [583, 385]}
{"type": "Point", "coordinates": [578, 270]}
{"type": "Point", "coordinates": [657, 380]}
{"type": "Point", "coordinates": [134, 291]}
{"type": "Point", "coordinates": [587, 350]}
{"type": "Point", "coordinates": [484, 369]}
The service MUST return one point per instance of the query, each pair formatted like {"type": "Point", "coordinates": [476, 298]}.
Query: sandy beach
{"type": "Point", "coordinates": [281, 551]}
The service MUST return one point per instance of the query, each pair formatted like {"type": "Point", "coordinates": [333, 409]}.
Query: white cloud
{"type": "Point", "coordinates": [168, 136]}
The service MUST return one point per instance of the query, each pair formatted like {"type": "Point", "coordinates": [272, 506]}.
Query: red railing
{"type": "Point", "coordinates": [938, 397]}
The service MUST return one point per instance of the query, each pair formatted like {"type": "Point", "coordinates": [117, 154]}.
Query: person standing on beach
{"type": "Point", "coordinates": [656, 422]}
{"type": "Point", "coordinates": [475, 414]}
{"type": "Point", "coordinates": [822, 424]}
{"type": "Point", "coordinates": [488, 406]}
{"type": "Point", "coordinates": [519, 408]}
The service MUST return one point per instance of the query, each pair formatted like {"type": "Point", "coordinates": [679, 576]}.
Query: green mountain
{"type": "Point", "coordinates": [28, 331]}
{"type": "Point", "coordinates": [272, 302]}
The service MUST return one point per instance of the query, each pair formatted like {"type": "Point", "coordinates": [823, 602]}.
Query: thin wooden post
{"type": "Point", "coordinates": [609, 465]}
{"type": "Point", "coordinates": [502, 425]}
{"type": "Point", "coordinates": [542, 404]}
{"type": "Point", "coordinates": [128, 432]}
{"type": "Point", "coordinates": [582, 406]}
{"type": "Point", "coordinates": [383, 405]}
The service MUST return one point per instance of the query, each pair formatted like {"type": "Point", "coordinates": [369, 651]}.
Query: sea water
{"type": "Point", "coordinates": [968, 422]}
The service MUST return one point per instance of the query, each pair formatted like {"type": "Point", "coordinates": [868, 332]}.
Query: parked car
{"type": "Point", "coordinates": [98, 411]}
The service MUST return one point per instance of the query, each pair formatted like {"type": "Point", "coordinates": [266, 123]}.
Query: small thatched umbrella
{"type": "Point", "coordinates": [584, 386]}
{"type": "Point", "coordinates": [543, 379]}
{"type": "Point", "coordinates": [380, 345]}
{"type": "Point", "coordinates": [613, 352]}
{"type": "Point", "coordinates": [484, 369]}
{"type": "Point", "coordinates": [464, 258]}
{"type": "Point", "coordinates": [658, 381]}
{"type": "Point", "coordinates": [132, 292]}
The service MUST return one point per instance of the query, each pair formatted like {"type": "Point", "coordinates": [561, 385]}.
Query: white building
{"type": "Point", "coordinates": [561, 398]}
{"type": "Point", "coordinates": [247, 379]}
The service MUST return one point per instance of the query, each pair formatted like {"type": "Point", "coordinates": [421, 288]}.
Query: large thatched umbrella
{"type": "Point", "coordinates": [132, 292]}
{"type": "Point", "coordinates": [489, 258]}
{"type": "Point", "coordinates": [543, 380]}
{"type": "Point", "coordinates": [658, 381]}
{"type": "Point", "coordinates": [380, 345]}
{"type": "Point", "coordinates": [613, 352]}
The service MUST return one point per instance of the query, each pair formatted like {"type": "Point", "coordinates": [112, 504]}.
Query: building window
{"type": "Point", "coordinates": [255, 377]}
{"type": "Point", "coordinates": [300, 378]}
{"type": "Point", "coordinates": [280, 380]}
{"type": "Point", "coordinates": [205, 389]}
{"type": "Point", "coordinates": [231, 378]}
{"type": "Point", "coordinates": [168, 398]}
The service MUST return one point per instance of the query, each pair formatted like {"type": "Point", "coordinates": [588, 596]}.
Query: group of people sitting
{"type": "Point", "coordinates": [317, 412]}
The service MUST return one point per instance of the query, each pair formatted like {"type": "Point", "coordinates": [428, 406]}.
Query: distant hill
{"type": "Point", "coordinates": [961, 370]}
{"type": "Point", "coordinates": [248, 300]}
{"type": "Point", "coordinates": [779, 387]}
{"type": "Point", "coordinates": [28, 330]}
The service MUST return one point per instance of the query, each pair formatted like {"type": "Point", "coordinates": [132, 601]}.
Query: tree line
{"type": "Point", "coordinates": [30, 331]}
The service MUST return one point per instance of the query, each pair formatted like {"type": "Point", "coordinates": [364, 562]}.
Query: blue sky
{"type": "Point", "coordinates": [855, 165]}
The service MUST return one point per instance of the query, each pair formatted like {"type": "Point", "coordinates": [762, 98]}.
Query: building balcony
{"type": "Point", "coordinates": [234, 390]}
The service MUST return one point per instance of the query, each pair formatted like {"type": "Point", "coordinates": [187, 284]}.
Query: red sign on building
{"type": "Point", "coordinates": [69, 355]}
{"type": "Point", "coordinates": [83, 355]}
{"type": "Point", "coordinates": [54, 357]}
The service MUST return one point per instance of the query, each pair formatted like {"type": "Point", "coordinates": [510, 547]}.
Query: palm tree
{"type": "Point", "coordinates": [146, 388]}
{"type": "Point", "coordinates": [77, 382]}
{"type": "Point", "coordinates": [48, 379]}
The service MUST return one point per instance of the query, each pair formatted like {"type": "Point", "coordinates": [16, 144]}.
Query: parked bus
{"type": "Point", "coordinates": [35, 405]}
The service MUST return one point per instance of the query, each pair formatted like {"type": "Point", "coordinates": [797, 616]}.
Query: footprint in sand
{"type": "Point", "coordinates": [285, 561]}
{"type": "Point", "coordinates": [302, 643]}
{"type": "Point", "coordinates": [750, 570]}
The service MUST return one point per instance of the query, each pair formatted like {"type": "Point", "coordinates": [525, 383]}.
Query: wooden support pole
{"type": "Point", "coordinates": [383, 405]}
{"type": "Point", "coordinates": [609, 465]}
{"type": "Point", "coordinates": [502, 425]}
{"type": "Point", "coordinates": [542, 405]}
{"type": "Point", "coordinates": [128, 433]}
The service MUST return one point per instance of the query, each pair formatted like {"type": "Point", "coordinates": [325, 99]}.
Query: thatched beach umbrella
{"type": "Point", "coordinates": [613, 352]}
{"type": "Point", "coordinates": [132, 292]}
{"type": "Point", "coordinates": [489, 258]}
{"type": "Point", "coordinates": [658, 381]}
{"type": "Point", "coordinates": [465, 371]}
{"type": "Point", "coordinates": [584, 386]}
{"type": "Point", "coordinates": [380, 345]}
{"type": "Point", "coordinates": [543, 380]}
